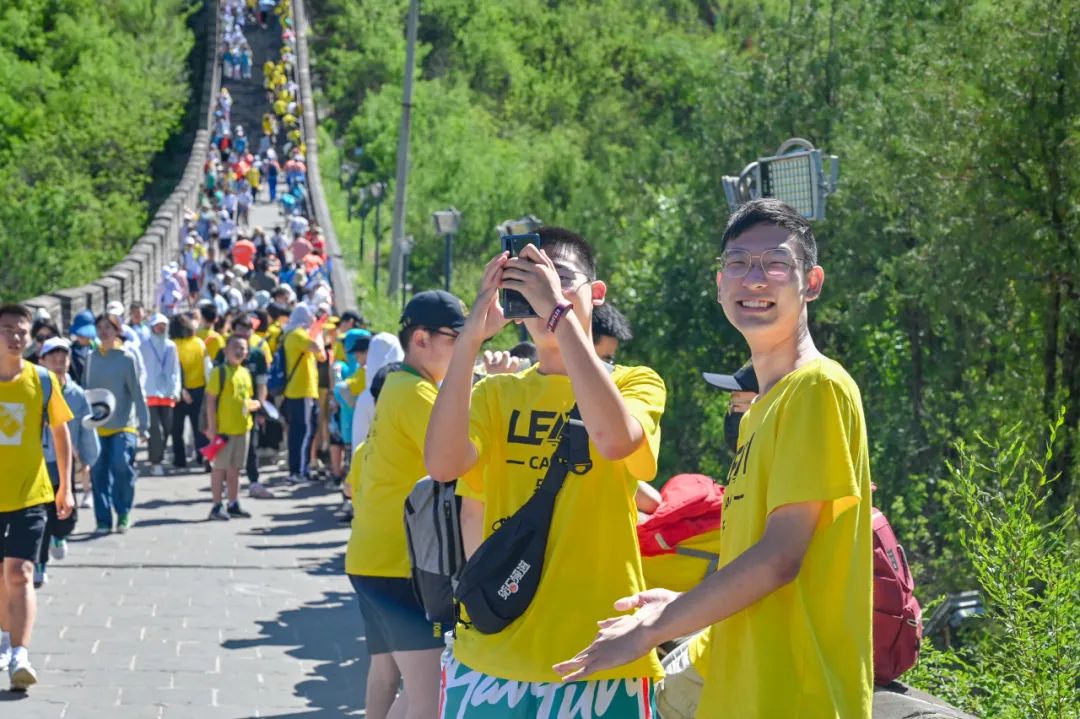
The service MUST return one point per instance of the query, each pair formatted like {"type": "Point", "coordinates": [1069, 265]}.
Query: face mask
{"type": "Point", "coordinates": [731, 430]}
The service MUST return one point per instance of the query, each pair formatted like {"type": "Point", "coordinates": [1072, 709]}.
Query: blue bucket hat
{"type": "Point", "coordinates": [83, 325]}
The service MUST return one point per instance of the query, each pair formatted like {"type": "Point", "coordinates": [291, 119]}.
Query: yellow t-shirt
{"type": "Point", "coordinates": [305, 377]}
{"type": "Point", "coordinates": [804, 650]}
{"type": "Point", "coordinates": [25, 482]}
{"type": "Point", "coordinates": [273, 337]}
{"type": "Point", "coordinates": [592, 555]}
{"type": "Point", "coordinates": [357, 382]}
{"type": "Point", "coordinates": [212, 339]}
{"type": "Point", "coordinates": [339, 350]}
{"type": "Point", "coordinates": [391, 463]}
{"type": "Point", "coordinates": [192, 354]}
{"type": "Point", "coordinates": [353, 553]}
{"type": "Point", "coordinates": [233, 417]}
{"type": "Point", "coordinates": [681, 572]}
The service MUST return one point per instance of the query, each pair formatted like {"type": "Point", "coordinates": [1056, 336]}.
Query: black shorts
{"type": "Point", "coordinates": [393, 618]}
{"type": "Point", "coordinates": [22, 531]}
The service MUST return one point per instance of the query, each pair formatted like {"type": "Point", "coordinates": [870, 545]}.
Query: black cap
{"type": "Point", "coordinates": [434, 308]}
{"type": "Point", "coordinates": [356, 317]}
{"type": "Point", "coordinates": [744, 380]}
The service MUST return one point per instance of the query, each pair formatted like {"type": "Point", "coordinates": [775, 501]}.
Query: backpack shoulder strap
{"type": "Point", "coordinates": [46, 395]}
{"type": "Point", "coordinates": [296, 365]}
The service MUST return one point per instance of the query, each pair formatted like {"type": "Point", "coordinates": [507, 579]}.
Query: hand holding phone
{"type": "Point", "coordinates": [514, 304]}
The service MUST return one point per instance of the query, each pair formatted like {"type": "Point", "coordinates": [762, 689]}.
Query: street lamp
{"type": "Point", "coordinates": [377, 191]}
{"type": "Point", "coordinates": [406, 288]}
{"type": "Point", "coordinates": [447, 223]}
{"type": "Point", "coordinates": [795, 175]}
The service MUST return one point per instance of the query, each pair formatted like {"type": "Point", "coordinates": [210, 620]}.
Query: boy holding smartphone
{"type": "Point", "coordinates": [500, 439]}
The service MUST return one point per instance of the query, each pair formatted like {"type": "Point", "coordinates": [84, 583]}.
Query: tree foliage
{"type": "Point", "coordinates": [951, 251]}
{"type": "Point", "coordinates": [89, 92]}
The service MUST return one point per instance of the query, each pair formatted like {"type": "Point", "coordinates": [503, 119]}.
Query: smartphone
{"type": "Point", "coordinates": [514, 304]}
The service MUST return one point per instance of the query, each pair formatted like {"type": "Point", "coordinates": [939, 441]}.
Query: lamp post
{"type": "Point", "coordinates": [363, 210]}
{"type": "Point", "coordinates": [407, 248]}
{"type": "Point", "coordinates": [795, 175]}
{"type": "Point", "coordinates": [376, 191]}
{"type": "Point", "coordinates": [447, 223]}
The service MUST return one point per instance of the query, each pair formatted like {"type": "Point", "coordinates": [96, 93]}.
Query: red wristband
{"type": "Point", "coordinates": [557, 314]}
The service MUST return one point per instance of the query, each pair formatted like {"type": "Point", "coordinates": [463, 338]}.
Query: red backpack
{"type": "Point", "coordinates": [897, 614]}
{"type": "Point", "coordinates": [690, 505]}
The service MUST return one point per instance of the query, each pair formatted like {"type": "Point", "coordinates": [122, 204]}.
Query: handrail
{"type": "Point", "coordinates": [340, 278]}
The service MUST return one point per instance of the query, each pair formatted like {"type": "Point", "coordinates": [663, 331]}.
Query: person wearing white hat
{"type": "Point", "coordinates": [162, 388]}
{"type": "Point", "coordinates": [56, 357]}
{"type": "Point", "coordinates": [113, 475]}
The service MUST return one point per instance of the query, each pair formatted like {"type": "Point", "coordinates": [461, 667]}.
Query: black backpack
{"type": "Point", "coordinates": [500, 579]}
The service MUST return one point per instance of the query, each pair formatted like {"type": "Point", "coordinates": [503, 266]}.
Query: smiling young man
{"type": "Point", "coordinates": [500, 439]}
{"type": "Point", "coordinates": [790, 606]}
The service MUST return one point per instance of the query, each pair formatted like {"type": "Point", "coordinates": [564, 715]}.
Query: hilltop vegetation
{"type": "Point", "coordinates": [89, 92]}
{"type": "Point", "coordinates": [952, 250]}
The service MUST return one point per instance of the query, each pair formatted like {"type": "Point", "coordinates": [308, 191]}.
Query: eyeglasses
{"type": "Point", "coordinates": [568, 277]}
{"type": "Point", "coordinates": [445, 333]}
{"type": "Point", "coordinates": [40, 339]}
{"type": "Point", "coordinates": [777, 263]}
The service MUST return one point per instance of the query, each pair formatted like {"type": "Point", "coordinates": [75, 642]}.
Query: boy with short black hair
{"type": "Point", "coordinates": [25, 488]}
{"type": "Point", "coordinates": [791, 604]}
{"type": "Point", "coordinates": [609, 328]}
{"type": "Point", "coordinates": [404, 646]}
{"type": "Point", "coordinates": [499, 438]}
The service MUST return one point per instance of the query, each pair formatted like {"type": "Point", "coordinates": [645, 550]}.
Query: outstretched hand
{"type": "Point", "coordinates": [486, 316]}
{"type": "Point", "coordinates": [621, 639]}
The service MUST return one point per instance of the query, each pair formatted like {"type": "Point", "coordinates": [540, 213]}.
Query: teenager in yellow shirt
{"type": "Point", "coordinates": [230, 391]}
{"type": "Point", "coordinates": [193, 362]}
{"type": "Point", "coordinates": [25, 488]}
{"type": "Point", "coordinates": [400, 640]}
{"type": "Point", "coordinates": [302, 353]}
{"type": "Point", "coordinates": [207, 332]}
{"type": "Point", "coordinates": [500, 438]}
{"type": "Point", "coordinates": [791, 604]}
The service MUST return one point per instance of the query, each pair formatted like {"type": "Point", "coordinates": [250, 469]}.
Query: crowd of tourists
{"type": "Point", "coordinates": [559, 571]}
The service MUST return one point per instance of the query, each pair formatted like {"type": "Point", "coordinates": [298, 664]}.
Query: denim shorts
{"type": "Point", "coordinates": [393, 618]}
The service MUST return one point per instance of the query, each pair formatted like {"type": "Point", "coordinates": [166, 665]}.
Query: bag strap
{"type": "Point", "coordinates": [46, 396]}
{"type": "Point", "coordinates": [713, 559]}
{"type": "Point", "coordinates": [571, 454]}
{"type": "Point", "coordinates": [296, 365]}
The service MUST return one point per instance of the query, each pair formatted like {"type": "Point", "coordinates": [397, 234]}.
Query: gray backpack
{"type": "Point", "coordinates": [436, 552]}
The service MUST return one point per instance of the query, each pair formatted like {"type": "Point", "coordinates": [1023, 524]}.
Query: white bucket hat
{"type": "Point", "coordinates": [102, 403]}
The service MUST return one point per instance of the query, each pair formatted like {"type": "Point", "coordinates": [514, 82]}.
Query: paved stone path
{"type": "Point", "coordinates": [182, 617]}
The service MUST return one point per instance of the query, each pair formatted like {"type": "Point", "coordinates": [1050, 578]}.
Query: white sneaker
{"type": "Point", "coordinates": [59, 548]}
{"type": "Point", "coordinates": [156, 470]}
{"type": "Point", "coordinates": [5, 655]}
{"type": "Point", "coordinates": [21, 673]}
{"type": "Point", "coordinates": [87, 501]}
{"type": "Point", "coordinates": [259, 491]}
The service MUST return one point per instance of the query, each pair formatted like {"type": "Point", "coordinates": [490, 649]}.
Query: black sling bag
{"type": "Point", "coordinates": [500, 579]}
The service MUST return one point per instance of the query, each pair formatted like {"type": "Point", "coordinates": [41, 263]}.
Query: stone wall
{"type": "Point", "coordinates": [340, 277]}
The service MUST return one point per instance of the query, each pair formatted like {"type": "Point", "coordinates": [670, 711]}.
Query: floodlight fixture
{"type": "Point", "coordinates": [447, 221]}
{"type": "Point", "coordinates": [521, 226]}
{"type": "Point", "coordinates": [796, 174]}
